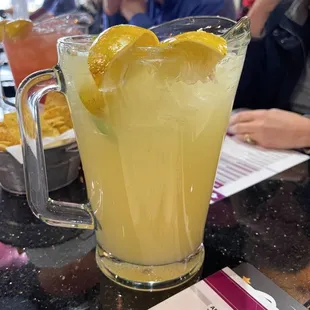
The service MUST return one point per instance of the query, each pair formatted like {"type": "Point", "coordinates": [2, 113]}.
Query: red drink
{"type": "Point", "coordinates": [30, 48]}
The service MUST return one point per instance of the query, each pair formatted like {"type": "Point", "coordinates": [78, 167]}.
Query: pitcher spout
{"type": "Point", "coordinates": [240, 33]}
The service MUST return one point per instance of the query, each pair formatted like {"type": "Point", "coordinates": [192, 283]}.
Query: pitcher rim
{"type": "Point", "coordinates": [70, 40]}
{"type": "Point", "coordinates": [195, 17]}
{"type": "Point", "coordinates": [247, 33]}
{"type": "Point", "coordinates": [65, 40]}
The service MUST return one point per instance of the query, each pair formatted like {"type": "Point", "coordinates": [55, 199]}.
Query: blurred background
{"type": "Point", "coordinates": [33, 5]}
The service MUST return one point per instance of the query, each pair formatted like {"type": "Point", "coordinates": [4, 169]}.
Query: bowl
{"type": "Point", "coordinates": [62, 167]}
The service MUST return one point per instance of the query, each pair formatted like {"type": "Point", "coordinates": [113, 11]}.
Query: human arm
{"type": "Point", "coordinates": [44, 11]}
{"type": "Point", "coordinates": [259, 14]}
{"type": "Point", "coordinates": [274, 63]}
{"type": "Point", "coordinates": [40, 14]}
{"type": "Point", "coordinates": [274, 128]}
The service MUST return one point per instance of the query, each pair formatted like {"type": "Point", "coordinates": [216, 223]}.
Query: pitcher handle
{"type": "Point", "coordinates": [28, 96]}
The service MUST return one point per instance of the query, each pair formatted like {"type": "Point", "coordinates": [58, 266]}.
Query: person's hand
{"type": "Point", "coordinates": [129, 8]}
{"type": "Point", "coordinates": [277, 129]}
{"type": "Point", "coordinates": [259, 14]}
{"type": "Point", "coordinates": [111, 7]}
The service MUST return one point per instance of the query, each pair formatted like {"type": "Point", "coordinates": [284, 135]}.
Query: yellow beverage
{"type": "Point", "coordinates": [149, 179]}
{"type": "Point", "coordinates": [150, 110]}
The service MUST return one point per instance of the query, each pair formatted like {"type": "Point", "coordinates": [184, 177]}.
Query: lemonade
{"type": "Point", "coordinates": [150, 110]}
{"type": "Point", "coordinates": [150, 161]}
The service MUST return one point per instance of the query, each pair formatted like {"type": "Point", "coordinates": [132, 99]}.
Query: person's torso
{"type": "Point", "coordinates": [274, 63]}
{"type": "Point", "coordinates": [173, 9]}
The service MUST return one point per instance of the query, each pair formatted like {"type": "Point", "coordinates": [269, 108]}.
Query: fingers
{"type": "Point", "coordinates": [245, 125]}
{"type": "Point", "coordinates": [243, 128]}
{"type": "Point", "coordinates": [246, 116]}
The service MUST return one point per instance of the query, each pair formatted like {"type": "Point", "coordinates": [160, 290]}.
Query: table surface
{"type": "Point", "coordinates": [267, 225]}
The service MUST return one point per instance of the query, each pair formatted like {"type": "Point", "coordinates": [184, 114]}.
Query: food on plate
{"type": "Point", "coordinates": [55, 119]}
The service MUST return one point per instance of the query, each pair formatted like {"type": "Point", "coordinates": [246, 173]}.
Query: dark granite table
{"type": "Point", "coordinates": [267, 225]}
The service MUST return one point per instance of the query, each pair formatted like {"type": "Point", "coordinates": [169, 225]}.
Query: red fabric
{"type": "Point", "coordinates": [248, 3]}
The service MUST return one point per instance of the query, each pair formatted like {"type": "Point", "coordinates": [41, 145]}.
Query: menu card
{"type": "Point", "coordinates": [245, 288]}
{"type": "Point", "coordinates": [242, 165]}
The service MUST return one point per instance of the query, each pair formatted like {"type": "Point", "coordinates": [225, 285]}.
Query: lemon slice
{"type": "Point", "coordinates": [2, 26]}
{"type": "Point", "coordinates": [202, 39]}
{"type": "Point", "coordinates": [196, 55]}
{"type": "Point", "coordinates": [92, 98]}
{"type": "Point", "coordinates": [191, 56]}
{"type": "Point", "coordinates": [113, 43]}
{"type": "Point", "coordinates": [18, 29]}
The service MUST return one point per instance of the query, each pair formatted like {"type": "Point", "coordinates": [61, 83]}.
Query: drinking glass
{"type": "Point", "coordinates": [35, 49]}
{"type": "Point", "coordinates": [149, 162]}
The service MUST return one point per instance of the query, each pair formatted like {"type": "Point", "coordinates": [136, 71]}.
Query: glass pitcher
{"type": "Point", "coordinates": [149, 166]}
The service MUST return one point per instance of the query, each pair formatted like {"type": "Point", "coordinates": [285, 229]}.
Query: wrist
{"type": "Point", "coordinates": [258, 17]}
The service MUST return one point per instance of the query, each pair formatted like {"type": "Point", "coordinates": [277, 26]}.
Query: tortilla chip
{"type": "Point", "coordinates": [48, 131]}
{"type": "Point", "coordinates": [55, 120]}
{"type": "Point", "coordinates": [55, 98]}
{"type": "Point", "coordinates": [4, 134]}
{"type": "Point", "coordinates": [3, 147]}
{"type": "Point", "coordinates": [52, 112]}
{"type": "Point", "coordinates": [10, 120]}
{"type": "Point", "coordinates": [14, 135]}
{"type": "Point", "coordinates": [63, 129]}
